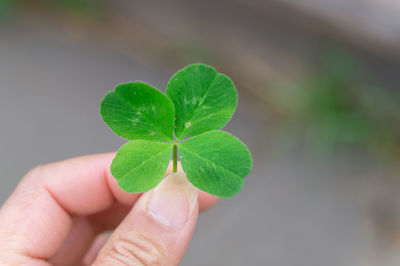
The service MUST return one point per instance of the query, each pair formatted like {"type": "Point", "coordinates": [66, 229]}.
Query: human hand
{"type": "Point", "coordinates": [58, 213]}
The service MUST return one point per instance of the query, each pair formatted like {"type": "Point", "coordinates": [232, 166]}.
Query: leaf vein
{"type": "Point", "coordinates": [144, 115]}
{"type": "Point", "coordinates": [144, 161]}
{"type": "Point", "coordinates": [212, 162]}
{"type": "Point", "coordinates": [200, 101]}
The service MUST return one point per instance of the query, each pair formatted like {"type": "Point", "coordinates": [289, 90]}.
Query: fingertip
{"type": "Point", "coordinates": [120, 195]}
{"type": "Point", "coordinates": [75, 182]}
{"type": "Point", "coordinates": [206, 200]}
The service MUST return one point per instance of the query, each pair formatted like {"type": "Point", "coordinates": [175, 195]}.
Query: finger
{"type": "Point", "coordinates": [49, 196]}
{"type": "Point", "coordinates": [85, 230]}
{"type": "Point", "coordinates": [77, 243]}
{"type": "Point", "coordinates": [93, 251]}
{"type": "Point", "coordinates": [158, 229]}
{"type": "Point", "coordinates": [206, 201]}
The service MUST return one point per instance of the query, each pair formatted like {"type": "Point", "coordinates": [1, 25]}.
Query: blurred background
{"type": "Point", "coordinates": [319, 108]}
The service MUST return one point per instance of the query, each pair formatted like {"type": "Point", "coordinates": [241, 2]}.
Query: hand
{"type": "Point", "coordinates": [58, 213]}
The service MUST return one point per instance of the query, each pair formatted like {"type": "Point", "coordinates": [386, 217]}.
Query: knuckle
{"type": "Point", "coordinates": [27, 186]}
{"type": "Point", "coordinates": [34, 173]}
{"type": "Point", "coordinates": [133, 249]}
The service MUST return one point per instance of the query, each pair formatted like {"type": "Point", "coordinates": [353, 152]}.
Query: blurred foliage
{"type": "Point", "coordinates": [10, 8]}
{"type": "Point", "coordinates": [6, 9]}
{"type": "Point", "coordinates": [73, 5]}
{"type": "Point", "coordinates": [339, 106]}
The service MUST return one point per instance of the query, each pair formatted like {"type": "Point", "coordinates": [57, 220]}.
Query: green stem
{"type": "Point", "coordinates": [175, 158]}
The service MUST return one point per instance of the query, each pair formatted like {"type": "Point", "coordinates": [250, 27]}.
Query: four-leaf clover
{"type": "Point", "coordinates": [199, 101]}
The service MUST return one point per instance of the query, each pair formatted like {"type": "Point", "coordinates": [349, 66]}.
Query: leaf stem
{"type": "Point", "coordinates": [175, 158]}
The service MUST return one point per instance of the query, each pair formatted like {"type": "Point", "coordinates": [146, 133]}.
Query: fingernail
{"type": "Point", "coordinates": [172, 202]}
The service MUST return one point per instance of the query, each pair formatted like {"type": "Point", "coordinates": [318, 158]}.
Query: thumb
{"type": "Point", "coordinates": [158, 229]}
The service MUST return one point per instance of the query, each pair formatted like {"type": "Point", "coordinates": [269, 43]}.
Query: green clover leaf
{"type": "Point", "coordinates": [204, 100]}
{"type": "Point", "coordinates": [141, 164]}
{"type": "Point", "coordinates": [215, 162]}
{"type": "Point", "coordinates": [136, 110]}
{"type": "Point", "coordinates": [198, 102]}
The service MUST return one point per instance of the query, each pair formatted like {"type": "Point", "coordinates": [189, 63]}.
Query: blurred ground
{"type": "Point", "coordinates": [297, 208]}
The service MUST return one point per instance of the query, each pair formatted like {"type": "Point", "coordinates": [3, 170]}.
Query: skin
{"type": "Point", "coordinates": [59, 213]}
